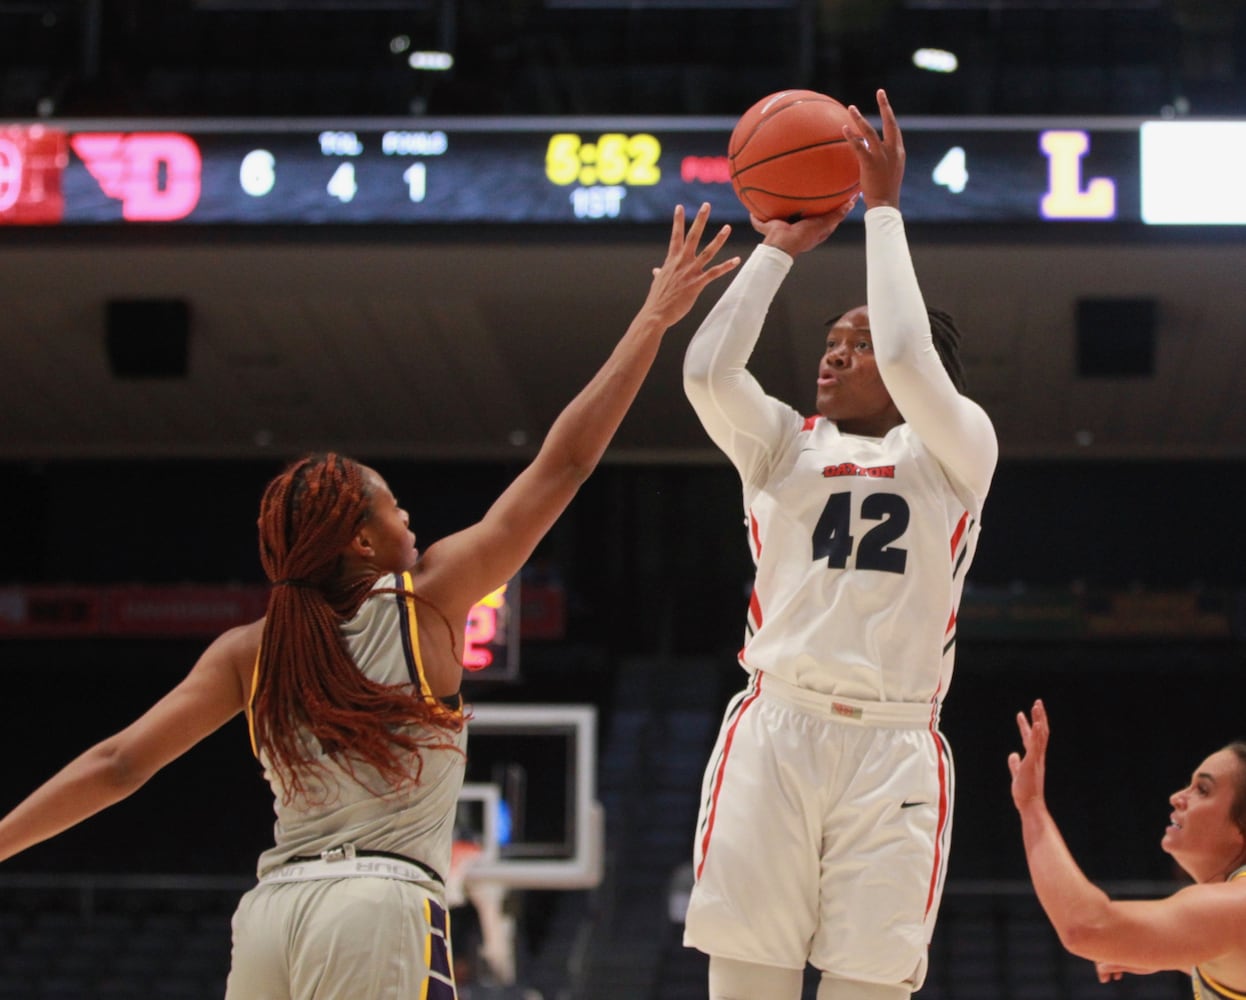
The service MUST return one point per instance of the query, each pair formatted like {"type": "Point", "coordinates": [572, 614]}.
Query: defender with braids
{"type": "Point", "coordinates": [351, 683]}
{"type": "Point", "coordinates": [826, 805]}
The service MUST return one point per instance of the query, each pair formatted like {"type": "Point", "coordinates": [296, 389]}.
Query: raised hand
{"type": "Point", "coordinates": [881, 158]}
{"type": "Point", "coordinates": [1029, 771]}
{"type": "Point", "coordinates": [687, 268]}
{"type": "Point", "coordinates": [795, 238]}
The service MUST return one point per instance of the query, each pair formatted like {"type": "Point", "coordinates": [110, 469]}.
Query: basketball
{"type": "Point", "coordinates": [789, 158]}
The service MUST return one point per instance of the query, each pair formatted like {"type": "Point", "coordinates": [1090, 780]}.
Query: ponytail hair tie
{"type": "Point", "coordinates": [293, 582]}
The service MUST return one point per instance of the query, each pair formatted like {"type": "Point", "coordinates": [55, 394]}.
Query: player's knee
{"type": "Point", "coordinates": [733, 980]}
{"type": "Point", "coordinates": [831, 988]}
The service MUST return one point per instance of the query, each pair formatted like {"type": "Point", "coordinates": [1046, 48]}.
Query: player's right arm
{"type": "Point", "coordinates": [733, 408]}
{"type": "Point", "coordinates": [1198, 924]}
{"type": "Point", "coordinates": [212, 693]}
{"type": "Point", "coordinates": [748, 425]}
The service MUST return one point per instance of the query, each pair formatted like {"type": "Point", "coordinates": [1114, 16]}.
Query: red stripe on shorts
{"type": "Point", "coordinates": [722, 767]}
{"type": "Point", "coordinates": [941, 825]}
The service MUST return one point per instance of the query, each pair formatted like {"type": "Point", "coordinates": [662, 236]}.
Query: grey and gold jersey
{"type": "Point", "coordinates": [361, 808]}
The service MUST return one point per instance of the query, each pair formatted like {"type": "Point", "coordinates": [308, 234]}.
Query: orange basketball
{"type": "Point", "coordinates": [789, 158]}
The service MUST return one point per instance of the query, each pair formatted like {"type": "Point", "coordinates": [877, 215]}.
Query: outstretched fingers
{"type": "Point", "coordinates": [881, 159]}
{"type": "Point", "coordinates": [865, 136]}
{"type": "Point", "coordinates": [710, 250]}
{"type": "Point", "coordinates": [677, 232]}
{"type": "Point", "coordinates": [683, 237]}
{"type": "Point", "coordinates": [697, 230]}
{"type": "Point", "coordinates": [1039, 728]}
{"type": "Point", "coordinates": [1014, 758]}
{"type": "Point", "coordinates": [891, 128]}
{"type": "Point", "coordinates": [687, 268]}
{"type": "Point", "coordinates": [1023, 725]}
{"type": "Point", "coordinates": [1034, 729]}
{"type": "Point", "coordinates": [698, 223]}
{"type": "Point", "coordinates": [1027, 767]}
{"type": "Point", "coordinates": [689, 244]}
{"type": "Point", "coordinates": [685, 241]}
{"type": "Point", "coordinates": [1109, 972]}
{"type": "Point", "coordinates": [860, 133]}
{"type": "Point", "coordinates": [718, 270]}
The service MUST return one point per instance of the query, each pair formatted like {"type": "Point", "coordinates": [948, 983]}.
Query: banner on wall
{"type": "Point", "coordinates": [538, 611]}
{"type": "Point", "coordinates": [491, 637]}
{"type": "Point", "coordinates": [1061, 614]}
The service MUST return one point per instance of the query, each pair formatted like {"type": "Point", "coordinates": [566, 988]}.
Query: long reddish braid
{"type": "Point", "coordinates": [308, 683]}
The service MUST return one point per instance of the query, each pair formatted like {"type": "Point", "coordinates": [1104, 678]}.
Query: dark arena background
{"type": "Point", "coordinates": [232, 231]}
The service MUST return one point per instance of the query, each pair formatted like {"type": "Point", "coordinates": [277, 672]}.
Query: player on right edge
{"type": "Point", "coordinates": [1200, 929]}
{"type": "Point", "coordinates": [826, 806]}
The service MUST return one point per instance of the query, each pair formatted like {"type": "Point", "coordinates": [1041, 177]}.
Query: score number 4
{"type": "Point", "coordinates": [952, 172]}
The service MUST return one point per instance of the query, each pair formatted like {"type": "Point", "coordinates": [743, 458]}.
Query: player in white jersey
{"type": "Point", "coordinates": [826, 805]}
{"type": "Point", "coordinates": [1201, 929]}
{"type": "Point", "coordinates": [350, 684]}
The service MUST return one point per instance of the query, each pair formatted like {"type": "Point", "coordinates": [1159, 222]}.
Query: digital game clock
{"type": "Point", "coordinates": [590, 171]}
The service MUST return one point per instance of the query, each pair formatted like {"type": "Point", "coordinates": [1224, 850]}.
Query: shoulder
{"type": "Point", "coordinates": [235, 649]}
{"type": "Point", "coordinates": [241, 639]}
{"type": "Point", "coordinates": [437, 576]}
{"type": "Point", "coordinates": [1220, 900]}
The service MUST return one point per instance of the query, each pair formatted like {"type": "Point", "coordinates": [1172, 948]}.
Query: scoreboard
{"type": "Point", "coordinates": [589, 171]}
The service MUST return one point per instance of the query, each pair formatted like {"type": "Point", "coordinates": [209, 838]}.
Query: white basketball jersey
{"type": "Point", "coordinates": [861, 547]}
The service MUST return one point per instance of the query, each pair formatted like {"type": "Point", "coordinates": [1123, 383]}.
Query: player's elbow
{"type": "Point", "coordinates": [698, 363]}
{"type": "Point", "coordinates": [1086, 935]}
{"type": "Point", "coordinates": [576, 472]}
{"type": "Point", "coordinates": [697, 385]}
{"type": "Point", "coordinates": [1075, 940]}
{"type": "Point", "coordinates": [117, 768]}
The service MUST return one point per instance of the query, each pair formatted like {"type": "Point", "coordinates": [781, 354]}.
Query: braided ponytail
{"type": "Point", "coordinates": [308, 684]}
{"type": "Point", "coordinates": [946, 337]}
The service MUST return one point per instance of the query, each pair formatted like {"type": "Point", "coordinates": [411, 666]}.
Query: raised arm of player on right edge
{"type": "Point", "coordinates": [1198, 924]}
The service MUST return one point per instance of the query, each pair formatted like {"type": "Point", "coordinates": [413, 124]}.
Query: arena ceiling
{"type": "Point", "coordinates": [466, 346]}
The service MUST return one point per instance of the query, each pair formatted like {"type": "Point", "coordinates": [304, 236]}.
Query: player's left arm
{"type": "Point", "coordinates": [208, 697]}
{"type": "Point", "coordinates": [957, 430]}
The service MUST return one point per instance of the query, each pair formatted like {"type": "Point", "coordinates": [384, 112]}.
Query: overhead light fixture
{"type": "Point", "coordinates": [433, 61]}
{"type": "Point", "coordinates": [936, 60]}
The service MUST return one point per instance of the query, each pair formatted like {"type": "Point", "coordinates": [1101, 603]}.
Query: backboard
{"type": "Point", "coordinates": [531, 780]}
